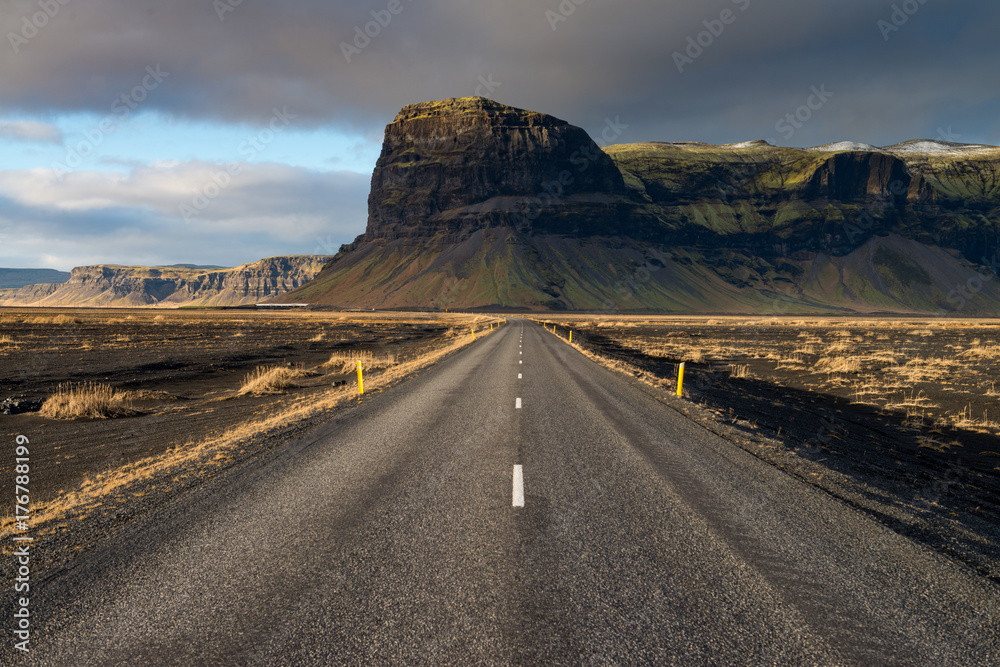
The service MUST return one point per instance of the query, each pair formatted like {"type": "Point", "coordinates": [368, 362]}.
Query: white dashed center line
{"type": "Point", "coordinates": [518, 376]}
{"type": "Point", "coordinates": [518, 499]}
{"type": "Point", "coordinates": [517, 404]}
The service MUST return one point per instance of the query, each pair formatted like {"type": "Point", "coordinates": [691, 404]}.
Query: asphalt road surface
{"type": "Point", "coordinates": [395, 535]}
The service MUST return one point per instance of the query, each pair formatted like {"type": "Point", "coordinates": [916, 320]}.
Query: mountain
{"type": "Point", "coordinates": [479, 205]}
{"type": "Point", "coordinates": [179, 285]}
{"type": "Point", "coordinates": [14, 278]}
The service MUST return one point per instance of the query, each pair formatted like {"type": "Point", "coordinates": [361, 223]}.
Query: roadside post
{"type": "Point", "coordinates": [361, 380]}
{"type": "Point", "coordinates": [571, 335]}
{"type": "Point", "coordinates": [473, 333]}
{"type": "Point", "coordinates": [680, 378]}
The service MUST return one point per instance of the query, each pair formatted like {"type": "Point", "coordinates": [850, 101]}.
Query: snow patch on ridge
{"type": "Point", "coordinates": [931, 147]}
{"type": "Point", "coordinates": [756, 143]}
{"type": "Point", "coordinates": [845, 146]}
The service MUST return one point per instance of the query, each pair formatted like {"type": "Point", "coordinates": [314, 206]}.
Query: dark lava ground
{"type": "Point", "coordinates": [187, 360]}
{"type": "Point", "coordinates": [878, 460]}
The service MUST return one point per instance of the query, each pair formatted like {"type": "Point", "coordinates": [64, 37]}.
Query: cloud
{"type": "Point", "coordinates": [28, 130]}
{"type": "Point", "coordinates": [138, 216]}
{"type": "Point", "coordinates": [597, 59]}
{"type": "Point", "coordinates": [350, 65]}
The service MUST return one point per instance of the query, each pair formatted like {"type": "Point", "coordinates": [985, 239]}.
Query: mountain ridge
{"type": "Point", "coordinates": [507, 208]}
{"type": "Point", "coordinates": [112, 285]}
{"type": "Point", "coordinates": [16, 278]}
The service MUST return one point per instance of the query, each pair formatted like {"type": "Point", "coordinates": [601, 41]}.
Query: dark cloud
{"type": "Point", "coordinates": [608, 58]}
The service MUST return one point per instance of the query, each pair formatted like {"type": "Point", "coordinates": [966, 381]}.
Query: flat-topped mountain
{"type": "Point", "coordinates": [458, 166]}
{"type": "Point", "coordinates": [478, 205]}
{"type": "Point", "coordinates": [179, 285]}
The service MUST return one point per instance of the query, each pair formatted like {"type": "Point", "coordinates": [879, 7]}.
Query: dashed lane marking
{"type": "Point", "coordinates": [518, 495]}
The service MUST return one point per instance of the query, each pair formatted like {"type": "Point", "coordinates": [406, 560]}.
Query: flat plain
{"type": "Point", "coordinates": [186, 407]}
{"type": "Point", "coordinates": [650, 529]}
{"type": "Point", "coordinates": [898, 416]}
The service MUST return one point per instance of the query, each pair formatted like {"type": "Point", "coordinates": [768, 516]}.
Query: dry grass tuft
{"type": "Point", "coordinates": [87, 400]}
{"type": "Point", "coordinates": [924, 369]}
{"type": "Point", "coordinates": [965, 420]}
{"type": "Point", "coordinates": [265, 380]}
{"type": "Point", "coordinates": [928, 442]}
{"type": "Point", "coordinates": [793, 361]}
{"type": "Point", "coordinates": [346, 362]}
{"type": "Point", "coordinates": [838, 365]}
{"type": "Point", "coordinates": [739, 371]}
{"type": "Point", "coordinates": [980, 351]}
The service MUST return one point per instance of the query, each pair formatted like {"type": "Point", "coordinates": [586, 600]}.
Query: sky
{"type": "Point", "coordinates": [224, 131]}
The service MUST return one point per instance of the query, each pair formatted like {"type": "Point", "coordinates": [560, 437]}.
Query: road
{"type": "Point", "coordinates": [393, 536]}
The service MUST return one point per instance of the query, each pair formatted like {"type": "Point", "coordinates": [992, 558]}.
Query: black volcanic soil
{"type": "Point", "coordinates": [186, 360]}
{"type": "Point", "coordinates": [882, 461]}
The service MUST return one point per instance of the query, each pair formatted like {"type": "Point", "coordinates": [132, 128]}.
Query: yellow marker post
{"type": "Point", "coordinates": [571, 335]}
{"type": "Point", "coordinates": [680, 378]}
{"type": "Point", "coordinates": [361, 380]}
{"type": "Point", "coordinates": [491, 326]}
{"type": "Point", "coordinates": [473, 333]}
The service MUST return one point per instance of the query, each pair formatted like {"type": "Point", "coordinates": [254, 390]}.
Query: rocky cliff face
{"type": "Point", "coordinates": [475, 204]}
{"type": "Point", "coordinates": [28, 294]}
{"type": "Point", "coordinates": [858, 176]}
{"type": "Point", "coordinates": [105, 286]}
{"type": "Point", "coordinates": [826, 199]}
{"type": "Point", "coordinates": [460, 165]}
